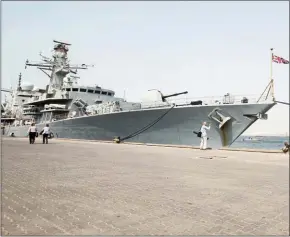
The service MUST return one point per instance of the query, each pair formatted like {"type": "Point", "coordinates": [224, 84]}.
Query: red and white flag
{"type": "Point", "coordinates": [277, 59]}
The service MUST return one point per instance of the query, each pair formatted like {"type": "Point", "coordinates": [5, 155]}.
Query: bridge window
{"type": "Point", "coordinates": [90, 91]}
{"type": "Point", "coordinates": [109, 94]}
{"type": "Point", "coordinates": [68, 89]}
{"type": "Point", "coordinates": [104, 92]}
{"type": "Point", "coordinates": [75, 89]}
{"type": "Point", "coordinates": [97, 92]}
{"type": "Point", "coordinates": [83, 90]}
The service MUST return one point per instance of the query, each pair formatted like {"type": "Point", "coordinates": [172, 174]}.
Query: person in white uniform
{"type": "Point", "coordinates": [32, 133]}
{"type": "Point", "coordinates": [203, 138]}
{"type": "Point", "coordinates": [45, 133]}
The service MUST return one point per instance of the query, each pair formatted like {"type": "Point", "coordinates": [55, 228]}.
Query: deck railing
{"type": "Point", "coordinates": [211, 100]}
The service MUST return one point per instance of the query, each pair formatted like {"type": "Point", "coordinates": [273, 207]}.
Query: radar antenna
{"type": "Point", "coordinates": [59, 42]}
{"type": "Point", "coordinates": [58, 65]}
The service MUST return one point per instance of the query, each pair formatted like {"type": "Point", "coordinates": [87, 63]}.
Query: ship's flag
{"type": "Point", "coordinates": [277, 59]}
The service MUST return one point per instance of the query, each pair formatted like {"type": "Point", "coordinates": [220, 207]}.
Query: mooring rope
{"type": "Point", "coordinates": [146, 127]}
{"type": "Point", "coordinates": [282, 102]}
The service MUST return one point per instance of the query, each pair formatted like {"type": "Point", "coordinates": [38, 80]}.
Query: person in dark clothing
{"type": "Point", "coordinates": [45, 138]}
{"type": "Point", "coordinates": [32, 133]}
{"type": "Point", "coordinates": [286, 147]}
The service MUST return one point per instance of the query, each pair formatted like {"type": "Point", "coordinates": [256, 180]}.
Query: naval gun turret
{"type": "Point", "coordinates": [155, 98]}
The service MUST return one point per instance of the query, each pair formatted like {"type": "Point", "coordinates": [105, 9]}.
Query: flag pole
{"type": "Point", "coordinates": [271, 74]}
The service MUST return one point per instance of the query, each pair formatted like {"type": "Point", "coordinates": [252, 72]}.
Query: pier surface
{"type": "Point", "coordinates": [87, 188]}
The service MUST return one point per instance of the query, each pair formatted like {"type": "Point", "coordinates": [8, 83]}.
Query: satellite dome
{"type": "Point", "coordinates": [26, 86]}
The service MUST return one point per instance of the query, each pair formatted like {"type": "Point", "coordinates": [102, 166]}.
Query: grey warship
{"type": "Point", "coordinates": [95, 113]}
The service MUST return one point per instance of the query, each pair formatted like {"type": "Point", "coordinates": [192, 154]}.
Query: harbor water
{"type": "Point", "coordinates": [262, 142]}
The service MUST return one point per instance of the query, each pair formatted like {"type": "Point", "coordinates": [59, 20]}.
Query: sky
{"type": "Point", "coordinates": [205, 48]}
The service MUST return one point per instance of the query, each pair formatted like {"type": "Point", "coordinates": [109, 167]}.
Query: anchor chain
{"type": "Point", "coordinates": [118, 140]}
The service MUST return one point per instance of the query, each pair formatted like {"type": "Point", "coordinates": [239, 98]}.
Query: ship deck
{"type": "Point", "coordinates": [89, 188]}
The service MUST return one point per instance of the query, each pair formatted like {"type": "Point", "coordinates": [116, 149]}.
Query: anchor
{"type": "Point", "coordinates": [221, 120]}
{"type": "Point", "coordinates": [224, 125]}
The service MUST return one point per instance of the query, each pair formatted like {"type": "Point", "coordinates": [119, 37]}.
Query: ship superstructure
{"type": "Point", "coordinates": [93, 112]}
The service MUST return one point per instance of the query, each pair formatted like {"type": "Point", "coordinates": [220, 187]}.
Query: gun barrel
{"type": "Point", "coordinates": [175, 94]}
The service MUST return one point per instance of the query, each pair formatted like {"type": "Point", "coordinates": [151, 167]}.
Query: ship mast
{"type": "Point", "coordinates": [19, 83]}
{"type": "Point", "coordinates": [58, 66]}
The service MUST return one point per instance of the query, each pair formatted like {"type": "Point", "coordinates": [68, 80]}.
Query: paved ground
{"type": "Point", "coordinates": [88, 188]}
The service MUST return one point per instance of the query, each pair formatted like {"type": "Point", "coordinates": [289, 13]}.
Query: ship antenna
{"type": "Point", "coordinates": [57, 66]}
{"type": "Point", "coordinates": [19, 82]}
{"type": "Point", "coordinates": [124, 96]}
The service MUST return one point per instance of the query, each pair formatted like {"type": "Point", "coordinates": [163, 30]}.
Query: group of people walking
{"type": "Point", "coordinates": [33, 133]}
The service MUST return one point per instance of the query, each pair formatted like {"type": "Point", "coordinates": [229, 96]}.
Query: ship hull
{"type": "Point", "coordinates": [176, 127]}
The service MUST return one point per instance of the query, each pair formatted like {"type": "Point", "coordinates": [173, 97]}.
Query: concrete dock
{"type": "Point", "coordinates": [89, 188]}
